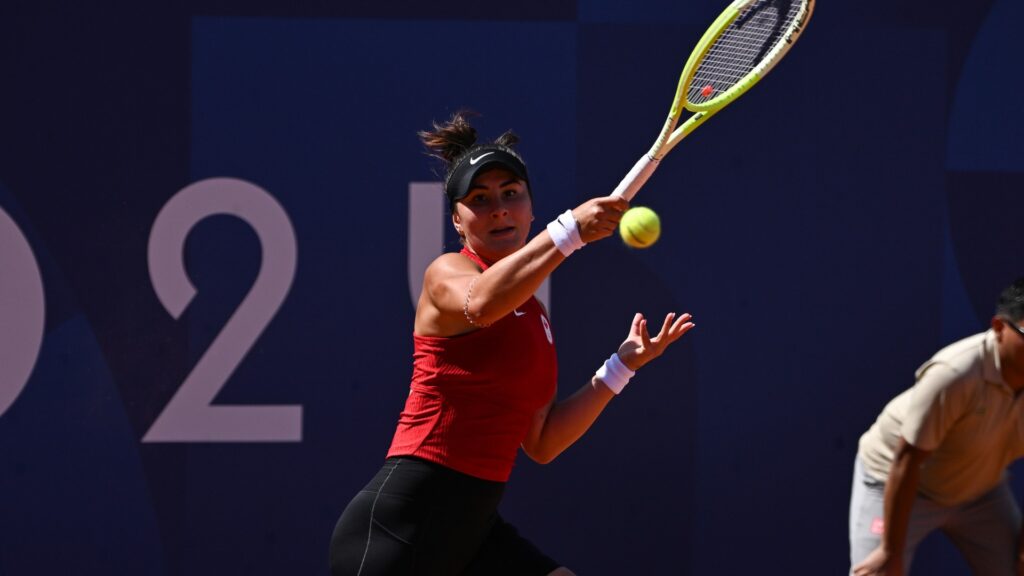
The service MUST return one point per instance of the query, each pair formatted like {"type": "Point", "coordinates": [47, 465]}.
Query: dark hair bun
{"type": "Point", "coordinates": [450, 140]}
{"type": "Point", "coordinates": [453, 139]}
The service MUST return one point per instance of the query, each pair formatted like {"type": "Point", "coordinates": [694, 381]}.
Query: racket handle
{"type": "Point", "coordinates": [636, 177]}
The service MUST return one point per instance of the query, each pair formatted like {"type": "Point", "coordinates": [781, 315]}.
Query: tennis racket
{"type": "Point", "coordinates": [742, 45]}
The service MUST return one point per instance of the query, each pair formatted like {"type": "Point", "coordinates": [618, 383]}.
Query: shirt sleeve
{"type": "Point", "coordinates": [937, 401]}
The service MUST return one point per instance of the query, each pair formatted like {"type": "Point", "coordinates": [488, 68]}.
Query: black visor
{"type": "Point", "coordinates": [460, 178]}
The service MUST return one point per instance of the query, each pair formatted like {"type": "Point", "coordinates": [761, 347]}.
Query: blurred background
{"type": "Point", "coordinates": [213, 215]}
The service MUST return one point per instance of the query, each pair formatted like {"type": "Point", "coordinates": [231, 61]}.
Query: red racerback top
{"type": "Point", "coordinates": [473, 396]}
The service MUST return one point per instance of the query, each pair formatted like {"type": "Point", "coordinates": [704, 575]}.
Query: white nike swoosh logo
{"type": "Point", "coordinates": [473, 161]}
{"type": "Point", "coordinates": [517, 312]}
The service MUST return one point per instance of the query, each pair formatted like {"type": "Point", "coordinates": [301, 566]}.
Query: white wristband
{"type": "Point", "coordinates": [565, 233]}
{"type": "Point", "coordinates": [614, 374]}
{"type": "Point", "coordinates": [570, 224]}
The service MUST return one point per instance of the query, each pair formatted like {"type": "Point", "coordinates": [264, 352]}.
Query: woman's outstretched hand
{"type": "Point", "coordinates": [639, 348]}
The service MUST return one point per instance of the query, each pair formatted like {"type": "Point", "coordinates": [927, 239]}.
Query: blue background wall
{"type": "Point", "coordinates": [857, 212]}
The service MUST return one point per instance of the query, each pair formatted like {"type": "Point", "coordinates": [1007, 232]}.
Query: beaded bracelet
{"type": "Point", "coordinates": [465, 306]}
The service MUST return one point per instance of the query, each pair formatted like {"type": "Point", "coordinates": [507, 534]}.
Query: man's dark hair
{"type": "Point", "coordinates": [1011, 301]}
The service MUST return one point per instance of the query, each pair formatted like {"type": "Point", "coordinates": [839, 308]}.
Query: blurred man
{"type": "Point", "coordinates": [936, 456]}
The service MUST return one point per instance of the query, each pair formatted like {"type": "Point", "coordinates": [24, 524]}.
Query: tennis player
{"type": "Point", "coordinates": [936, 457]}
{"type": "Point", "coordinates": [484, 378]}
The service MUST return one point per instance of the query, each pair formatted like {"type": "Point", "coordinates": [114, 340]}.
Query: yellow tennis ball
{"type": "Point", "coordinates": [640, 227]}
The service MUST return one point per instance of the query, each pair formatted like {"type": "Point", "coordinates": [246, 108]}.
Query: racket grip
{"type": "Point", "coordinates": [636, 178]}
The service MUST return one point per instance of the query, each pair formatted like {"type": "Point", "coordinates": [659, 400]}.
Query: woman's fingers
{"type": "Point", "coordinates": [672, 329]}
{"type": "Point", "coordinates": [645, 338]}
{"type": "Point", "coordinates": [597, 218]}
{"type": "Point", "coordinates": [666, 326]}
{"type": "Point", "coordinates": [638, 319]}
{"type": "Point", "coordinates": [681, 326]}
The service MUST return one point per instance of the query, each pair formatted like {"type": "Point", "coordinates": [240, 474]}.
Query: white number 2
{"type": "Point", "coordinates": [22, 311]}
{"type": "Point", "coordinates": [191, 416]}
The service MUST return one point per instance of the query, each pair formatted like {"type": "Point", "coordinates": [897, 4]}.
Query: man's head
{"type": "Point", "coordinates": [1011, 301]}
{"type": "Point", "coordinates": [1010, 334]}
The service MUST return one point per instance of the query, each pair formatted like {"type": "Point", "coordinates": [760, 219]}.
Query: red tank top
{"type": "Point", "coordinates": [473, 396]}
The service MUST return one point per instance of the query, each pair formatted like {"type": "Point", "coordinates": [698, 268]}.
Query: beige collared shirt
{"type": "Point", "coordinates": [962, 411]}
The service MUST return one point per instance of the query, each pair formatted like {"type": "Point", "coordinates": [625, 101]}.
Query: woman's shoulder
{"type": "Point", "coordinates": [448, 264]}
{"type": "Point", "coordinates": [452, 262]}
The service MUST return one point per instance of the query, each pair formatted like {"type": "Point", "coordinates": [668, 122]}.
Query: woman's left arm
{"type": "Point", "coordinates": [559, 424]}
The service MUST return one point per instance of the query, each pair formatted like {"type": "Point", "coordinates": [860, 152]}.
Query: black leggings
{"type": "Point", "coordinates": [419, 518]}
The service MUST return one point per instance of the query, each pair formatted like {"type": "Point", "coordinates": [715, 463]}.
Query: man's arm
{"type": "Point", "coordinates": [1020, 553]}
{"type": "Point", "coordinates": [900, 491]}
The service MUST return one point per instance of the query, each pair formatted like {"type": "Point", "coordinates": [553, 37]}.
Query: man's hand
{"type": "Point", "coordinates": [881, 563]}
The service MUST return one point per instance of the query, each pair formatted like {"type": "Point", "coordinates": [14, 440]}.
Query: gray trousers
{"type": "Point", "coordinates": [985, 530]}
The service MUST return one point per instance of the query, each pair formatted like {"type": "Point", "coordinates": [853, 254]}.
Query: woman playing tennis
{"type": "Point", "coordinates": [484, 378]}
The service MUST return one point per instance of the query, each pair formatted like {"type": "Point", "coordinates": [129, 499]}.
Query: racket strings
{"type": "Point", "coordinates": [744, 44]}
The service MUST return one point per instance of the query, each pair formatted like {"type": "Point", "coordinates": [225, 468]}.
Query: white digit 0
{"type": "Point", "coordinates": [191, 416]}
{"type": "Point", "coordinates": [427, 222]}
{"type": "Point", "coordinates": [22, 311]}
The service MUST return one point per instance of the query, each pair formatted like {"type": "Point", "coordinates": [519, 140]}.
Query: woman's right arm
{"type": "Point", "coordinates": [447, 307]}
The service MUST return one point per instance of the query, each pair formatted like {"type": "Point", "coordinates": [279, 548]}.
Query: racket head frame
{"type": "Point", "coordinates": [670, 134]}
